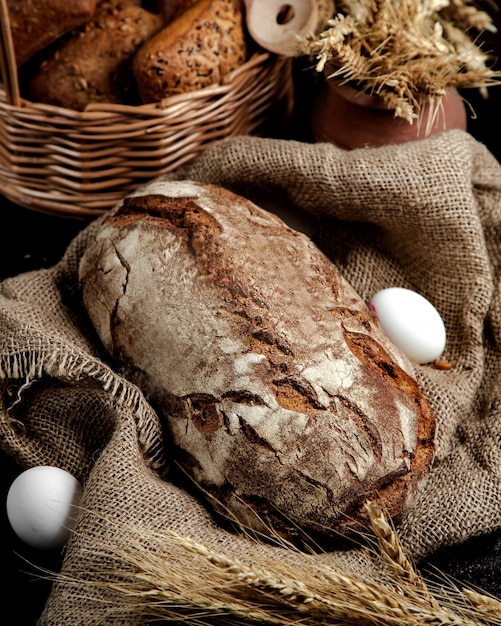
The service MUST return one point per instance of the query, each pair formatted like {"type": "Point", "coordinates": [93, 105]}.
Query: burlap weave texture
{"type": "Point", "coordinates": [424, 215]}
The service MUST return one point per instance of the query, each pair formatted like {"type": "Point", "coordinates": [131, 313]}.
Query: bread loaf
{"type": "Point", "coordinates": [281, 396]}
{"type": "Point", "coordinates": [37, 24]}
{"type": "Point", "coordinates": [95, 63]}
{"type": "Point", "coordinates": [195, 50]}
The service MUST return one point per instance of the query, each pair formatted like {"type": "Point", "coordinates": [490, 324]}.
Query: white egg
{"type": "Point", "coordinates": [411, 322]}
{"type": "Point", "coordinates": [41, 506]}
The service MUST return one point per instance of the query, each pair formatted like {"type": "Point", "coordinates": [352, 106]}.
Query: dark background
{"type": "Point", "coordinates": [30, 240]}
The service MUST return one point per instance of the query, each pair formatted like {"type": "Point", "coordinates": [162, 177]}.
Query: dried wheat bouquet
{"type": "Point", "coordinates": [405, 51]}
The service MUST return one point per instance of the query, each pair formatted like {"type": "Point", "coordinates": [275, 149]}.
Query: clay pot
{"type": "Point", "coordinates": [351, 119]}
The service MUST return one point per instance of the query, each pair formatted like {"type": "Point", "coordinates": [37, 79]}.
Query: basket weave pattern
{"type": "Point", "coordinates": [80, 163]}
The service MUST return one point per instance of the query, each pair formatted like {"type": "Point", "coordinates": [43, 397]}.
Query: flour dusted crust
{"type": "Point", "coordinates": [279, 391]}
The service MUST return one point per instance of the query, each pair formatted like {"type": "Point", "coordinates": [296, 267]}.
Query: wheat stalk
{"type": "Point", "coordinates": [390, 547]}
{"type": "Point", "coordinates": [405, 51]}
{"type": "Point", "coordinates": [167, 576]}
{"type": "Point", "coordinates": [488, 605]}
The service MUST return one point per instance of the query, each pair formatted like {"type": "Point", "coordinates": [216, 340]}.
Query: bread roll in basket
{"type": "Point", "coordinates": [80, 163]}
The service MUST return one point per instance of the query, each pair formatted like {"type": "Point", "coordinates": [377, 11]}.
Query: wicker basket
{"type": "Point", "coordinates": [79, 164]}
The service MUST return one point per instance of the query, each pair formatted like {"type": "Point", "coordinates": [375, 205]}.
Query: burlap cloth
{"type": "Point", "coordinates": [424, 215]}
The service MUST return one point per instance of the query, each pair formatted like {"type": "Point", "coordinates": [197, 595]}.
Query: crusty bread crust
{"type": "Point", "coordinates": [195, 50]}
{"type": "Point", "coordinates": [94, 64]}
{"type": "Point", "coordinates": [282, 397]}
{"type": "Point", "coordinates": [37, 24]}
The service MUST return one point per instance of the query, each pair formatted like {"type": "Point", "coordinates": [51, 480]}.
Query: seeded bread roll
{"type": "Point", "coordinates": [280, 394]}
{"type": "Point", "coordinates": [195, 50]}
{"type": "Point", "coordinates": [35, 25]}
{"type": "Point", "coordinates": [94, 64]}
